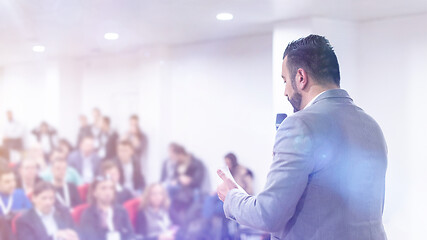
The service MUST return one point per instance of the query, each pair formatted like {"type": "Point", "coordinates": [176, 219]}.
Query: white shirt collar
{"type": "Point", "coordinates": [42, 215]}
{"type": "Point", "coordinates": [312, 100]}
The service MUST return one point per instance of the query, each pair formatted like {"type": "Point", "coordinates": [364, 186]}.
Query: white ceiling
{"type": "Point", "coordinates": [77, 27]}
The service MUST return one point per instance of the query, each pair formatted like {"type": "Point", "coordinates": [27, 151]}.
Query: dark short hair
{"type": "Point", "coordinates": [315, 55]}
{"type": "Point", "coordinates": [107, 165]}
{"type": "Point", "coordinates": [64, 141]}
{"type": "Point", "coordinates": [233, 159]}
{"type": "Point", "coordinates": [106, 120]}
{"type": "Point", "coordinates": [43, 186]}
{"type": "Point", "coordinates": [134, 117]}
{"type": "Point", "coordinates": [178, 149]}
{"type": "Point", "coordinates": [92, 187]}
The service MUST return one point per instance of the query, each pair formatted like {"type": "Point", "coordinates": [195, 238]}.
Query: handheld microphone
{"type": "Point", "coordinates": [279, 119]}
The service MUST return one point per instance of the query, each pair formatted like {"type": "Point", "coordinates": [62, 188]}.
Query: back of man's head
{"type": "Point", "coordinates": [316, 56]}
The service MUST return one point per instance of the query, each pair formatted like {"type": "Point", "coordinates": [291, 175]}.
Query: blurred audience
{"type": "Point", "coordinates": [35, 152]}
{"type": "Point", "coordinates": [103, 219]}
{"type": "Point", "coordinates": [67, 194]}
{"type": "Point", "coordinates": [111, 170]}
{"type": "Point", "coordinates": [65, 146]}
{"type": "Point", "coordinates": [84, 129]}
{"type": "Point", "coordinates": [137, 137]}
{"type": "Point", "coordinates": [185, 185]}
{"type": "Point", "coordinates": [46, 136]}
{"type": "Point", "coordinates": [107, 140]}
{"type": "Point", "coordinates": [28, 171]}
{"type": "Point", "coordinates": [45, 221]}
{"type": "Point", "coordinates": [107, 168]}
{"type": "Point", "coordinates": [131, 176]}
{"type": "Point", "coordinates": [12, 199]}
{"type": "Point", "coordinates": [153, 221]}
{"type": "Point", "coordinates": [13, 133]}
{"type": "Point", "coordinates": [242, 175]}
{"type": "Point", "coordinates": [95, 126]}
{"type": "Point", "coordinates": [85, 159]}
{"type": "Point", "coordinates": [71, 174]}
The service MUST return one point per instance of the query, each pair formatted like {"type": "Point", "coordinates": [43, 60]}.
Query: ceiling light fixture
{"type": "Point", "coordinates": [224, 16]}
{"type": "Point", "coordinates": [39, 48]}
{"type": "Point", "coordinates": [111, 36]}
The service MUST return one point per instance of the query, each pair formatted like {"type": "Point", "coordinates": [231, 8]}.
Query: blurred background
{"type": "Point", "coordinates": [206, 74]}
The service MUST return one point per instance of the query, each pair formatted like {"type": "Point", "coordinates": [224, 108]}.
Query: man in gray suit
{"type": "Point", "coordinates": [327, 178]}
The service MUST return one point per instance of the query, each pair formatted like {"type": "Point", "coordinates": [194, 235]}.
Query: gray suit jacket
{"type": "Point", "coordinates": [327, 178]}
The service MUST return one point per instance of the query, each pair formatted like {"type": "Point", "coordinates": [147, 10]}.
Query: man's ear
{"type": "Point", "coordinates": [301, 79]}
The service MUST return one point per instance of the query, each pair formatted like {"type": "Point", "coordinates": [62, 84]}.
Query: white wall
{"type": "Point", "coordinates": [221, 101]}
{"type": "Point", "coordinates": [393, 70]}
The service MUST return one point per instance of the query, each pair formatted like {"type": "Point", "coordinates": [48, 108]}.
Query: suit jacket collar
{"type": "Point", "coordinates": [36, 221]}
{"type": "Point", "coordinates": [333, 93]}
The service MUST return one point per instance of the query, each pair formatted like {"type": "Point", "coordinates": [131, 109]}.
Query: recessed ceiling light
{"type": "Point", "coordinates": [39, 48]}
{"type": "Point", "coordinates": [224, 16]}
{"type": "Point", "coordinates": [111, 36]}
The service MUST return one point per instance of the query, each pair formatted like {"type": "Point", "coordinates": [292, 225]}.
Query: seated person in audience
{"type": "Point", "coordinates": [35, 152]}
{"type": "Point", "coordinates": [111, 169]}
{"type": "Point", "coordinates": [85, 160]}
{"type": "Point", "coordinates": [103, 219]}
{"type": "Point", "coordinates": [27, 175]}
{"type": "Point", "coordinates": [189, 176]}
{"type": "Point", "coordinates": [168, 175]}
{"type": "Point", "coordinates": [153, 221]}
{"type": "Point", "coordinates": [12, 200]}
{"type": "Point", "coordinates": [84, 129]}
{"type": "Point", "coordinates": [131, 176]}
{"type": "Point", "coordinates": [137, 137]}
{"type": "Point", "coordinates": [6, 230]}
{"type": "Point", "coordinates": [241, 174]}
{"type": "Point", "coordinates": [67, 194]}
{"type": "Point", "coordinates": [95, 126]}
{"type": "Point", "coordinates": [45, 221]}
{"type": "Point", "coordinates": [71, 175]}
{"type": "Point", "coordinates": [107, 139]}
{"type": "Point", "coordinates": [46, 136]}
{"type": "Point", "coordinates": [65, 147]}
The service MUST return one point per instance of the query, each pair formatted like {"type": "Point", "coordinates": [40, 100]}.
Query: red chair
{"type": "Point", "coordinates": [131, 207]}
{"type": "Point", "coordinates": [14, 222]}
{"type": "Point", "coordinates": [83, 190]}
{"type": "Point", "coordinates": [77, 211]}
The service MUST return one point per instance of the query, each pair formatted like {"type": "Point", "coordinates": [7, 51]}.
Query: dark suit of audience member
{"type": "Point", "coordinates": [47, 137]}
{"type": "Point", "coordinates": [83, 131]}
{"type": "Point", "coordinates": [137, 137]}
{"type": "Point", "coordinates": [91, 226]}
{"type": "Point", "coordinates": [186, 204]}
{"type": "Point", "coordinates": [142, 223]}
{"type": "Point", "coordinates": [6, 230]}
{"type": "Point", "coordinates": [123, 195]}
{"type": "Point", "coordinates": [30, 226]}
{"type": "Point", "coordinates": [137, 178]}
{"type": "Point", "coordinates": [196, 171]}
{"type": "Point", "coordinates": [78, 162]}
{"type": "Point", "coordinates": [109, 144]}
{"type": "Point", "coordinates": [73, 198]}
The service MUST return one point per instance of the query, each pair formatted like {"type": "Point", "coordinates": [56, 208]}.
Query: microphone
{"type": "Point", "coordinates": [279, 119]}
